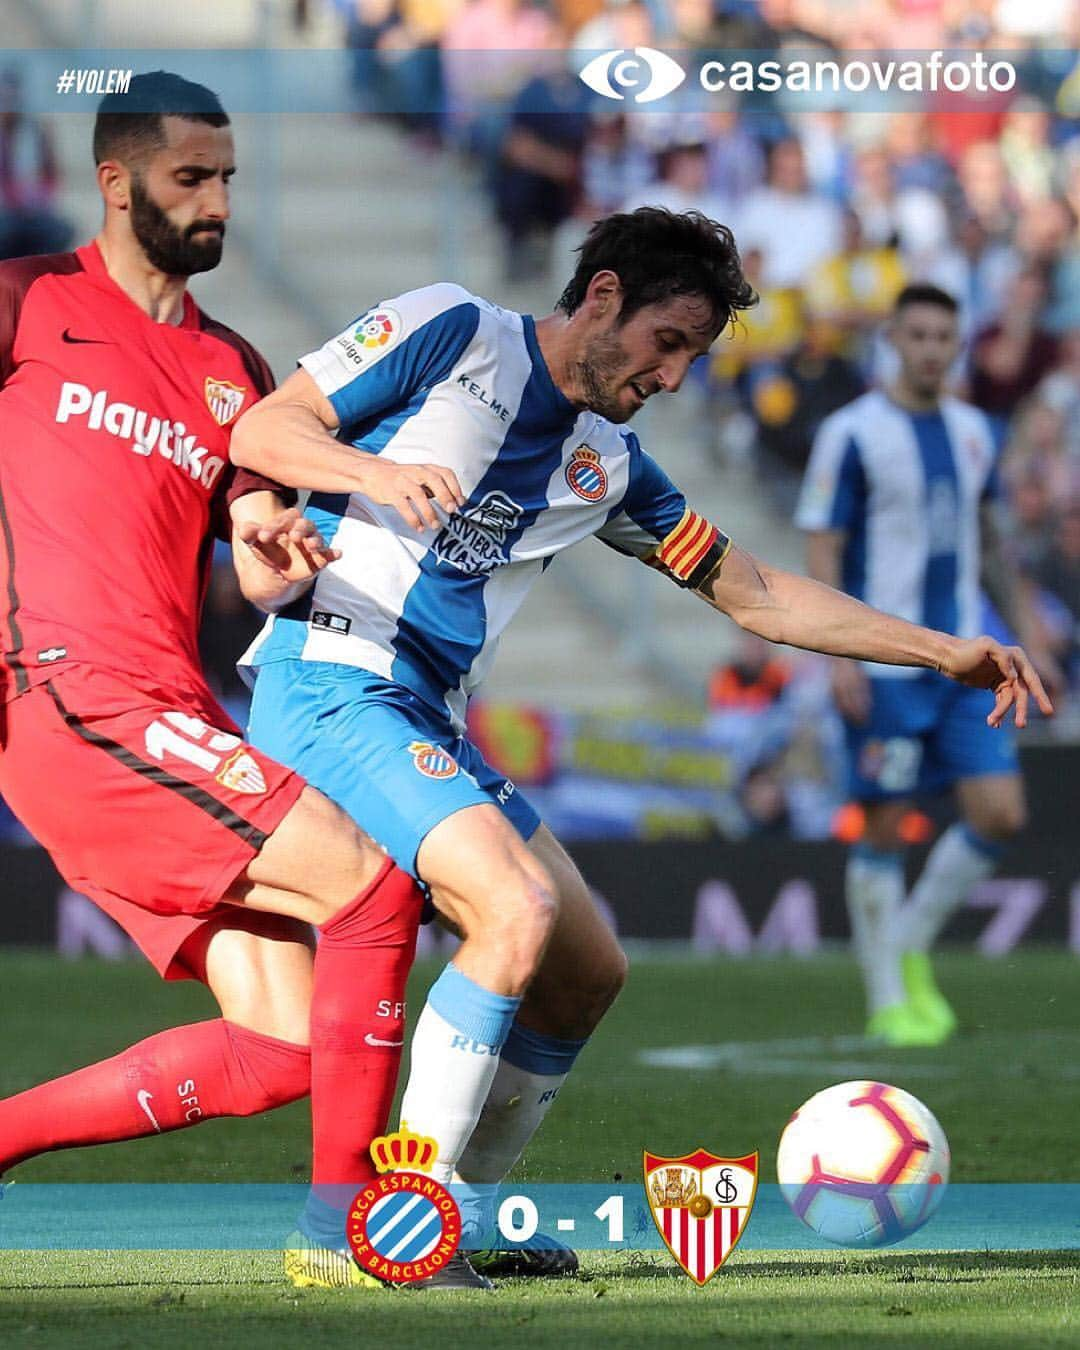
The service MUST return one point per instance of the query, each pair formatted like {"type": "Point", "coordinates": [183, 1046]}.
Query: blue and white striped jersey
{"type": "Point", "coordinates": [440, 376]}
{"type": "Point", "coordinates": [905, 488]}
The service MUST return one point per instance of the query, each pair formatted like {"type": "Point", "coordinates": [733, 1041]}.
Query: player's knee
{"type": "Point", "coordinates": [523, 924]}
{"type": "Point", "coordinates": [1001, 821]}
{"type": "Point", "coordinates": [595, 994]}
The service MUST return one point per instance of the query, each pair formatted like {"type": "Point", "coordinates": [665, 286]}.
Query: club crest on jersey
{"type": "Point", "coordinates": [241, 773]}
{"type": "Point", "coordinates": [224, 399]}
{"type": "Point", "coordinates": [474, 540]}
{"type": "Point", "coordinates": [701, 1203]}
{"type": "Point", "coordinates": [432, 760]}
{"type": "Point", "coordinates": [586, 474]}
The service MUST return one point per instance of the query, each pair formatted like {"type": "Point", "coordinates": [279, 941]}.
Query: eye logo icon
{"type": "Point", "coordinates": [644, 73]}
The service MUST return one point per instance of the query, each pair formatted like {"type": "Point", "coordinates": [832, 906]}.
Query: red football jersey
{"type": "Point", "coordinates": [114, 471]}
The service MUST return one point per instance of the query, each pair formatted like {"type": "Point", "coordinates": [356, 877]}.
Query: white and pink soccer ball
{"type": "Point", "coordinates": [863, 1164]}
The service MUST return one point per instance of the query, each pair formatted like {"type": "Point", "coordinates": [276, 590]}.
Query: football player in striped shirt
{"type": "Point", "coordinates": [362, 684]}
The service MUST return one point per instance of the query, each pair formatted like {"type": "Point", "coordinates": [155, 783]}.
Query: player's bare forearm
{"type": "Point", "coordinates": [289, 436]}
{"type": "Point", "coordinates": [802, 612]}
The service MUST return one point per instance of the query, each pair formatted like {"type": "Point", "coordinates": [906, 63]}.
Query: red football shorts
{"type": "Point", "coordinates": [147, 799]}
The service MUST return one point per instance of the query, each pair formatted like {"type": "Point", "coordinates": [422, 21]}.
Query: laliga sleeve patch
{"type": "Point", "coordinates": [692, 551]}
{"type": "Point", "coordinates": [372, 336]}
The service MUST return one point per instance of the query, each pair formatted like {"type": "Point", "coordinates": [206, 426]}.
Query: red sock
{"type": "Point", "coordinates": [177, 1078]}
{"type": "Point", "coordinates": [358, 1023]}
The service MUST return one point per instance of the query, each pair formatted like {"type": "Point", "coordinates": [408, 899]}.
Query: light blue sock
{"type": "Point", "coordinates": [455, 1052]}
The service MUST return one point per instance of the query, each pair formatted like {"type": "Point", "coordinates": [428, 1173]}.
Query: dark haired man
{"type": "Point", "coordinates": [118, 396]}
{"type": "Point", "coordinates": [362, 684]}
{"type": "Point", "coordinates": [900, 484]}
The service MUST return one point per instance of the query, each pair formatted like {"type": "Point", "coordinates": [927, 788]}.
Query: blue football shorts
{"type": "Point", "coordinates": [923, 735]}
{"type": "Point", "coordinates": [377, 750]}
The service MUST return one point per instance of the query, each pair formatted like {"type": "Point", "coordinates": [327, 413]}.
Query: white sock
{"type": "Point", "coordinates": [874, 889]}
{"type": "Point", "coordinates": [957, 863]}
{"type": "Point", "coordinates": [455, 1053]}
{"type": "Point", "coordinates": [531, 1071]}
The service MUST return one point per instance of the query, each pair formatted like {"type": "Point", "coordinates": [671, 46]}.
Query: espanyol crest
{"type": "Point", "coordinates": [224, 399]}
{"type": "Point", "coordinates": [432, 760]}
{"type": "Point", "coordinates": [586, 475]}
{"type": "Point", "coordinates": [701, 1203]}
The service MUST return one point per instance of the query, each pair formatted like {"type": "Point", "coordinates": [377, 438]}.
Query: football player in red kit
{"type": "Point", "coordinates": [117, 397]}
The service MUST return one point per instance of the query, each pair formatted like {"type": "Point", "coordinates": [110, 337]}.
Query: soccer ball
{"type": "Point", "coordinates": [863, 1164]}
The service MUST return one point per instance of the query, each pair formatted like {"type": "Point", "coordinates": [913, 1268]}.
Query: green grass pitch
{"type": "Point", "coordinates": [714, 1053]}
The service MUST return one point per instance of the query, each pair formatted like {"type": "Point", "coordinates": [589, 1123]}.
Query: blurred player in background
{"type": "Point", "coordinates": [899, 491]}
{"type": "Point", "coordinates": [362, 684]}
{"type": "Point", "coordinates": [117, 403]}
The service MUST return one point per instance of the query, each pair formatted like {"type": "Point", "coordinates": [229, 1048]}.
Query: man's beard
{"type": "Point", "coordinates": [598, 371]}
{"type": "Point", "coordinates": [168, 248]}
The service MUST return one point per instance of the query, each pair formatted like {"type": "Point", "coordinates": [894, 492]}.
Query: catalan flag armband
{"type": "Point", "coordinates": [692, 551]}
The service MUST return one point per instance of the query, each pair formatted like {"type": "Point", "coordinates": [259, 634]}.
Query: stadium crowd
{"type": "Point", "coordinates": [834, 210]}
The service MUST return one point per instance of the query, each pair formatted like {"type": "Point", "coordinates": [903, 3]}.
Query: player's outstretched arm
{"type": "Point", "coordinates": [784, 607]}
{"type": "Point", "coordinates": [277, 552]}
{"type": "Point", "coordinates": [289, 437]}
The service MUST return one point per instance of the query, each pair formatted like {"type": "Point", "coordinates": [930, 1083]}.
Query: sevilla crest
{"type": "Point", "coordinates": [224, 399]}
{"type": "Point", "coordinates": [701, 1203]}
{"type": "Point", "coordinates": [241, 773]}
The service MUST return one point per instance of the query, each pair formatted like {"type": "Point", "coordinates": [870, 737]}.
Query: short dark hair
{"type": "Point", "coordinates": [129, 126]}
{"type": "Point", "coordinates": [657, 254]}
{"type": "Point", "coordinates": [923, 293]}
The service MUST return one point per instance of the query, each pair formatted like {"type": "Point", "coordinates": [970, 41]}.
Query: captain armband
{"type": "Point", "coordinates": [692, 552]}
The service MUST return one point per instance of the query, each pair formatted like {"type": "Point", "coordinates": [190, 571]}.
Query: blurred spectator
{"type": "Point", "coordinates": [827, 152]}
{"type": "Point", "coordinates": [615, 166]}
{"type": "Point", "coordinates": [916, 161]}
{"type": "Point", "coordinates": [538, 174]}
{"type": "Point", "coordinates": [1032, 510]}
{"type": "Point", "coordinates": [975, 269]}
{"type": "Point", "coordinates": [753, 681]}
{"type": "Point", "coordinates": [1058, 573]}
{"type": "Point", "coordinates": [736, 160]}
{"type": "Point", "coordinates": [29, 179]}
{"type": "Point", "coordinates": [1026, 151]}
{"type": "Point", "coordinates": [618, 25]}
{"type": "Point", "coordinates": [489, 50]}
{"type": "Point", "coordinates": [791, 399]}
{"type": "Point", "coordinates": [1060, 393]}
{"type": "Point", "coordinates": [986, 192]}
{"type": "Point", "coordinates": [852, 292]}
{"type": "Point", "coordinates": [396, 68]}
{"type": "Point", "coordinates": [1011, 356]}
{"type": "Point", "coordinates": [793, 227]}
{"type": "Point", "coordinates": [766, 333]}
{"type": "Point", "coordinates": [1065, 310]}
{"type": "Point", "coordinates": [682, 182]}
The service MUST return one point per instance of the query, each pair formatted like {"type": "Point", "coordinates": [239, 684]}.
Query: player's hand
{"type": "Point", "coordinates": [410, 488]}
{"type": "Point", "coordinates": [288, 544]}
{"type": "Point", "coordinates": [850, 690]}
{"type": "Point", "coordinates": [985, 663]}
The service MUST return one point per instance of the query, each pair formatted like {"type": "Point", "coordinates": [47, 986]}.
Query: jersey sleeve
{"type": "Point", "coordinates": [393, 350]}
{"type": "Point", "coordinates": [834, 485]}
{"type": "Point", "coordinates": [17, 275]}
{"type": "Point", "coordinates": [238, 482]}
{"type": "Point", "coordinates": [654, 523]}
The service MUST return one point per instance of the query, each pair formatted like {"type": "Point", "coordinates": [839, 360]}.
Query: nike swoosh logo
{"type": "Point", "coordinates": [144, 1099]}
{"type": "Point", "coordinates": [66, 336]}
{"type": "Point", "coordinates": [374, 1040]}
